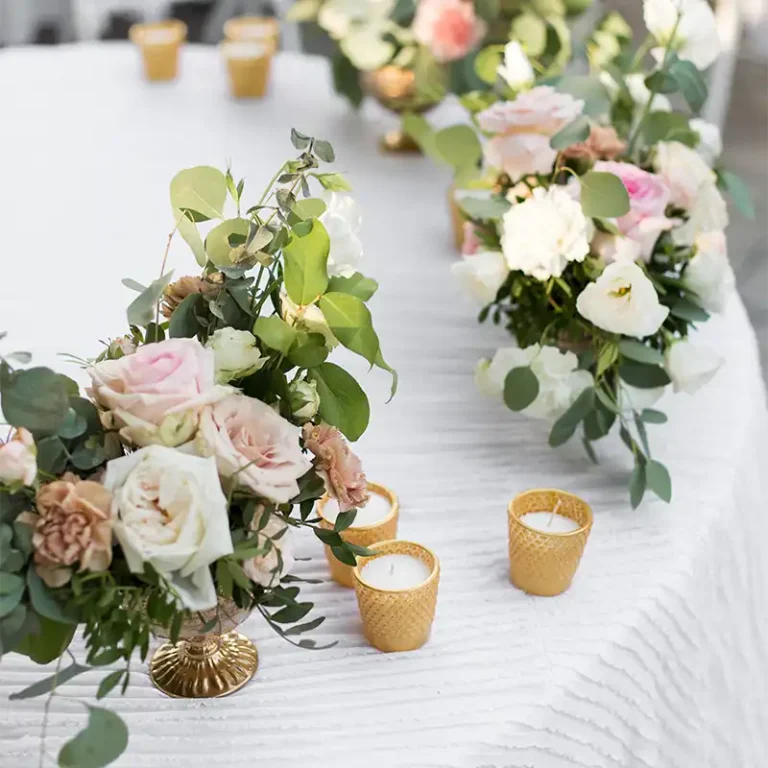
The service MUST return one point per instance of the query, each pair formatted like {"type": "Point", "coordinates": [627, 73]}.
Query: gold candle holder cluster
{"type": "Point", "coordinates": [159, 44]}
{"type": "Point", "coordinates": [249, 44]}
{"type": "Point", "coordinates": [541, 561]}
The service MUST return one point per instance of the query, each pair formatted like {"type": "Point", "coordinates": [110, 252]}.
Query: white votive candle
{"type": "Point", "coordinates": [377, 509]}
{"type": "Point", "coordinates": [549, 522]}
{"type": "Point", "coordinates": [255, 30]}
{"type": "Point", "coordinates": [243, 49]}
{"type": "Point", "coordinates": [159, 36]}
{"type": "Point", "coordinates": [395, 572]}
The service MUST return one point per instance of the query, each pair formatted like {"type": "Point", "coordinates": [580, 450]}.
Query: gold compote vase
{"type": "Point", "coordinates": [398, 90]}
{"type": "Point", "coordinates": [210, 659]}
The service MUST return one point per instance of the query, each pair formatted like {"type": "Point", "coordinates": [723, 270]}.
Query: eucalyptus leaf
{"type": "Point", "coordinates": [142, 310]}
{"type": "Point", "coordinates": [603, 195]}
{"type": "Point", "coordinates": [651, 416]}
{"type": "Point", "coordinates": [183, 322]}
{"type": "Point", "coordinates": [687, 309]}
{"type": "Point", "coordinates": [217, 245]}
{"type": "Point", "coordinates": [658, 480]}
{"type": "Point", "coordinates": [299, 140]}
{"type": "Point", "coordinates": [100, 743]}
{"type": "Point", "coordinates": [637, 484]}
{"type": "Point", "coordinates": [47, 642]}
{"type": "Point", "coordinates": [597, 100]}
{"type": "Point", "coordinates": [576, 132]}
{"type": "Point", "coordinates": [311, 208]}
{"type": "Point", "coordinates": [690, 81]}
{"type": "Point", "coordinates": [739, 192]}
{"type": "Point", "coordinates": [643, 376]}
{"type": "Point", "coordinates": [521, 388]}
{"type": "Point", "coordinates": [459, 146]}
{"type": "Point", "coordinates": [324, 151]}
{"type": "Point", "coordinates": [306, 260]}
{"type": "Point", "coordinates": [44, 602]}
{"type": "Point", "coordinates": [191, 235]}
{"type": "Point", "coordinates": [334, 182]}
{"type": "Point", "coordinates": [635, 350]}
{"type": "Point", "coordinates": [202, 189]}
{"type": "Point", "coordinates": [35, 398]}
{"type": "Point", "coordinates": [47, 684]}
{"type": "Point", "coordinates": [491, 208]}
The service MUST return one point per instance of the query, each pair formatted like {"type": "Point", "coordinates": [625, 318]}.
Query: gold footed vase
{"type": "Point", "coordinates": [209, 665]}
{"type": "Point", "coordinates": [397, 89]}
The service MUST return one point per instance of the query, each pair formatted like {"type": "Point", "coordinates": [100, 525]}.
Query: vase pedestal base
{"type": "Point", "coordinates": [205, 667]}
{"type": "Point", "coordinates": [398, 141]}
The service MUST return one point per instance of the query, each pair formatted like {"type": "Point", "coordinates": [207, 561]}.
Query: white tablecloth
{"type": "Point", "coordinates": [657, 656]}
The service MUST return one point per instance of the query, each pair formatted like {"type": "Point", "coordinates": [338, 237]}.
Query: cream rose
{"type": "Point", "coordinates": [171, 512]}
{"type": "Point", "coordinates": [623, 300]}
{"type": "Point", "coordinates": [304, 399]}
{"type": "Point", "coordinates": [256, 445]}
{"type": "Point", "coordinates": [482, 274]}
{"type": "Point", "coordinates": [309, 319]}
{"type": "Point", "coordinates": [18, 459]}
{"type": "Point", "coordinates": [235, 354]}
{"type": "Point", "coordinates": [155, 394]}
{"type": "Point", "coordinates": [709, 274]}
{"type": "Point", "coordinates": [690, 366]}
{"type": "Point", "coordinates": [545, 233]}
{"type": "Point", "coordinates": [269, 568]}
{"type": "Point", "coordinates": [342, 221]}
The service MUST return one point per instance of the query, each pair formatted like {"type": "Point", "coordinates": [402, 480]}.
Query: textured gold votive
{"type": "Point", "coordinates": [398, 620]}
{"type": "Point", "coordinates": [545, 563]}
{"type": "Point", "coordinates": [248, 77]}
{"type": "Point", "coordinates": [363, 536]}
{"type": "Point", "coordinates": [160, 56]}
{"type": "Point", "coordinates": [260, 29]}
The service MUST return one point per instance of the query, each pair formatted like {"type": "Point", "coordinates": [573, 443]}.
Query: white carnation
{"type": "Point", "coordinates": [545, 233]}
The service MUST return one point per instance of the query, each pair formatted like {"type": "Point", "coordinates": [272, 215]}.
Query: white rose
{"type": "Point", "coordinates": [623, 300]}
{"type": "Point", "coordinates": [709, 274]}
{"type": "Point", "coordinates": [255, 445]}
{"type": "Point", "coordinates": [235, 354]}
{"type": "Point", "coordinates": [710, 145]}
{"type": "Point", "coordinates": [305, 400]}
{"type": "Point", "coordinates": [516, 70]}
{"type": "Point", "coordinates": [560, 383]}
{"type": "Point", "coordinates": [341, 220]}
{"type": "Point", "coordinates": [544, 233]}
{"type": "Point", "coordinates": [269, 568]}
{"type": "Point", "coordinates": [695, 34]}
{"type": "Point", "coordinates": [18, 459]}
{"type": "Point", "coordinates": [708, 214]}
{"type": "Point", "coordinates": [482, 274]}
{"type": "Point", "coordinates": [170, 512]}
{"type": "Point", "coordinates": [689, 366]}
{"type": "Point", "coordinates": [309, 319]}
{"type": "Point", "coordinates": [616, 247]}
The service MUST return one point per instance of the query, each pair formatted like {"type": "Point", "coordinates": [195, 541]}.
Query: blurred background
{"type": "Point", "coordinates": [743, 111]}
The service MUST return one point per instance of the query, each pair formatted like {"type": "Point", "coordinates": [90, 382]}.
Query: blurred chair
{"type": "Point", "coordinates": [20, 20]}
{"type": "Point", "coordinates": [226, 9]}
{"type": "Point", "coordinates": [91, 15]}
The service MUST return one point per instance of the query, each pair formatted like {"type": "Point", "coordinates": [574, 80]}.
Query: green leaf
{"type": "Point", "coordinates": [651, 416]}
{"type": "Point", "coordinates": [637, 484]}
{"type": "Point", "coordinates": [299, 140]}
{"type": "Point", "coordinates": [45, 603]}
{"type": "Point", "coordinates": [190, 235]}
{"type": "Point", "coordinates": [10, 601]}
{"type": "Point", "coordinates": [419, 129]}
{"type": "Point", "coordinates": [597, 100]}
{"type": "Point", "coordinates": [459, 146]}
{"type": "Point", "coordinates": [607, 356]}
{"type": "Point", "coordinates": [110, 656]}
{"type": "Point", "coordinates": [183, 323]}
{"type": "Point", "coordinates": [603, 195]}
{"type": "Point", "coordinates": [661, 82]}
{"type": "Point", "coordinates": [344, 555]}
{"type": "Point", "coordinates": [658, 480]}
{"type": "Point", "coordinates": [739, 192]}
{"type": "Point", "coordinates": [202, 189]}
{"type": "Point", "coordinates": [109, 683]}
{"type": "Point", "coordinates": [487, 63]}
{"type": "Point", "coordinates": [275, 333]}
{"type": "Point", "coordinates": [306, 260]}
{"type": "Point", "coordinates": [47, 684]}
{"type": "Point", "coordinates": [598, 422]}
{"type": "Point", "coordinates": [521, 388]}
{"type": "Point", "coordinates": [217, 242]}
{"type": "Point", "coordinates": [309, 208]}
{"type": "Point", "coordinates": [690, 81]}
{"type": "Point", "coordinates": [666, 126]}
{"type": "Point", "coordinates": [488, 10]}
{"type": "Point", "coordinates": [35, 398]}
{"type": "Point", "coordinates": [324, 151]}
{"type": "Point", "coordinates": [687, 309]}
{"type": "Point", "coordinates": [642, 433]}
{"type": "Point", "coordinates": [590, 450]}
{"type": "Point", "coordinates": [643, 376]}
{"type": "Point", "coordinates": [102, 741]}
{"type": "Point", "coordinates": [52, 455]}
{"type": "Point", "coordinates": [564, 428]}
{"type": "Point", "coordinates": [350, 322]}
{"type": "Point", "coordinates": [74, 425]}
{"type": "Point", "coordinates": [291, 613]}
{"type": "Point", "coordinates": [48, 642]}
{"type": "Point", "coordinates": [531, 32]}
{"type": "Point", "coordinates": [343, 403]}
{"type": "Point", "coordinates": [334, 182]}
{"type": "Point", "coordinates": [357, 285]}
{"type": "Point", "coordinates": [380, 362]}
{"type": "Point", "coordinates": [142, 310]}
{"type": "Point", "coordinates": [634, 350]}
{"type": "Point", "coordinates": [491, 208]}
{"type": "Point", "coordinates": [346, 79]}
{"type": "Point", "coordinates": [11, 582]}
{"type": "Point", "coordinates": [575, 132]}
{"type": "Point", "coordinates": [344, 520]}
{"type": "Point", "coordinates": [308, 627]}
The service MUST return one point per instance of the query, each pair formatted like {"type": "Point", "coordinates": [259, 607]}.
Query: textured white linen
{"type": "Point", "coordinates": [657, 656]}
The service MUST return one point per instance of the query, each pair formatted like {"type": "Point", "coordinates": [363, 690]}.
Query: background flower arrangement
{"type": "Point", "coordinates": [436, 39]}
{"type": "Point", "coordinates": [595, 233]}
{"type": "Point", "coordinates": [208, 432]}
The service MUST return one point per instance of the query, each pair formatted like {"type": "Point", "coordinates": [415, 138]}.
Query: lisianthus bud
{"type": "Point", "coordinates": [235, 354]}
{"type": "Point", "coordinates": [125, 345]}
{"type": "Point", "coordinates": [305, 401]}
{"type": "Point", "coordinates": [18, 459]}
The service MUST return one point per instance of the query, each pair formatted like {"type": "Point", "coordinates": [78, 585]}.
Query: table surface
{"type": "Point", "coordinates": [656, 657]}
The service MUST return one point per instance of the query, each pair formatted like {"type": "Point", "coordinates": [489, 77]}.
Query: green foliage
{"type": "Point", "coordinates": [658, 480]}
{"type": "Point", "coordinates": [346, 79]}
{"type": "Point", "coordinates": [100, 743]}
{"type": "Point", "coordinates": [217, 243]}
{"type": "Point", "coordinates": [357, 285]}
{"type": "Point", "coordinates": [575, 132]}
{"type": "Point", "coordinates": [142, 310]}
{"type": "Point", "coordinates": [689, 80]}
{"type": "Point", "coordinates": [351, 323]}
{"type": "Point", "coordinates": [667, 126]}
{"type": "Point", "coordinates": [564, 428]}
{"type": "Point", "coordinates": [306, 258]}
{"type": "Point", "coordinates": [201, 191]}
{"type": "Point", "coordinates": [643, 376]}
{"type": "Point", "coordinates": [35, 398]}
{"type": "Point", "coordinates": [521, 388]}
{"type": "Point", "coordinates": [597, 100]}
{"type": "Point", "coordinates": [342, 402]}
{"type": "Point", "coordinates": [739, 192]}
{"type": "Point", "coordinates": [603, 195]}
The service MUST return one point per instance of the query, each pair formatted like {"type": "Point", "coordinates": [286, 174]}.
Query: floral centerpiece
{"type": "Point", "coordinates": [168, 492]}
{"type": "Point", "coordinates": [434, 40]}
{"type": "Point", "coordinates": [595, 230]}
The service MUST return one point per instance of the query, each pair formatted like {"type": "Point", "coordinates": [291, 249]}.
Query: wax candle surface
{"type": "Point", "coordinates": [255, 31]}
{"type": "Point", "coordinates": [159, 36]}
{"type": "Point", "coordinates": [376, 510]}
{"type": "Point", "coordinates": [395, 572]}
{"type": "Point", "coordinates": [549, 523]}
{"type": "Point", "coordinates": [242, 49]}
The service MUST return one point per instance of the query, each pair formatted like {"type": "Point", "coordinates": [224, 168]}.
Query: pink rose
{"type": "Point", "coordinates": [18, 459]}
{"type": "Point", "coordinates": [470, 242]}
{"type": "Point", "coordinates": [249, 439]}
{"type": "Point", "coordinates": [522, 129]}
{"type": "Point", "coordinates": [449, 28]}
{"type": "Point", "coordinates": [648, 199]}
{"type": "Point", "coordinates": [339, 467]}
{"type": "Point", "coordinates": [155, 395]}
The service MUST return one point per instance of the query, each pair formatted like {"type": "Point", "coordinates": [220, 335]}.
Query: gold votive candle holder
{"type": "Point", "coordinates": [544, 563]}
{"type": "Point", "coordinates": [248, 67]}
{"type": "Point", "coordinates": [258, 29]}
{"type": "Point", "coordinates": [398, 619]}
{"type": "Point", "coordinates": [159, 44]}
{"type": "Point", "coordinates": [362, 536]}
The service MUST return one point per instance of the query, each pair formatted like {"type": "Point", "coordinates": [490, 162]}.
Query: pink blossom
{"type": "Point", "coordinates": [649, 196]}
{"type": "Point", "coordinates": [340, 468]}
{"type": "Point", "coordinates": [470, 243]}
{"type": "Point", "coordinates": [449, 28]}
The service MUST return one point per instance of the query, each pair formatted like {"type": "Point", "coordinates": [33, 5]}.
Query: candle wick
{"type": "Point", "coordinates": [391, 569]}
{"type": "Point", "coordinates": [554, 512]}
